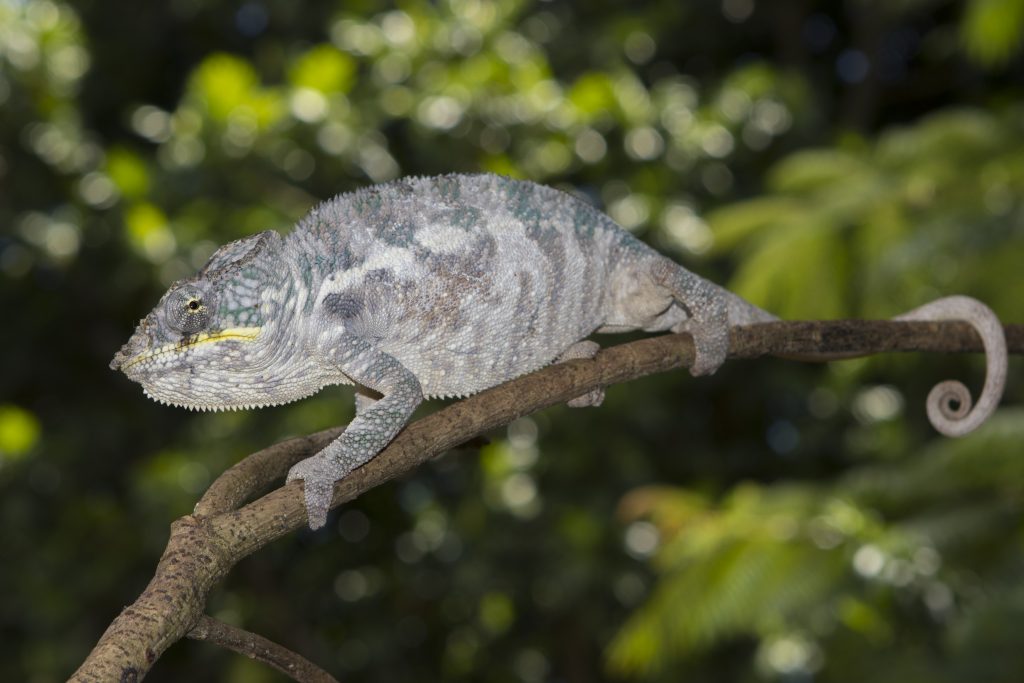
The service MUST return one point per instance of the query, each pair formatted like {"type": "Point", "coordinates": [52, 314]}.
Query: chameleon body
{"type": "Point", "coordinates": [418, 288]}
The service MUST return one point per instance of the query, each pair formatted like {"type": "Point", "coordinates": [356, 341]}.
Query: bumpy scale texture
{"type": "Point", "coordinates": [419, 288]}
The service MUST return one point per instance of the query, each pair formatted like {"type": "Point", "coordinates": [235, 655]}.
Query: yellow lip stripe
{"type": "Point", "coordinates": [236, 333]}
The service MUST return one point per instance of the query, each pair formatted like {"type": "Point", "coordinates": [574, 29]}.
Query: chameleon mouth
{"type": "Point", "coordinates": [246, 334]}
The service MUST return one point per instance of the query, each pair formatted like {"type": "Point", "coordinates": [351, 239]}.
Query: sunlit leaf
{"type": "Point", "coordinates": [224, 82]}
{"type": "Point", "coordinates": [992, 30]}
{"type": "Point", "coordinates": [950, 135]}
{"type": "Point", "coordinates": [19, 432]}
{"type": "Point", "coordinates": [148, 231]}
{"type": "Point", "coordinates": [503, 165]}
{"type": "Point", "coordinates": [593, 94]}
{"type": "Point", "coordinates": [811, 170]}
{"type": "Point", "coordinates": [737, 222]}
{"type": "Point", "coordinates": [324, 68]}
{"type": "Point", "coordinates": [267, 106]}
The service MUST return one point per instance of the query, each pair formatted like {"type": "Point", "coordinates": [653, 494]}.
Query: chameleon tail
{"type": "Point", "coordinates": [714, 310]}
{"type": "Point", "coordinates": [742, 312]}
{"type": "Point", "coordinates": [949, 402]}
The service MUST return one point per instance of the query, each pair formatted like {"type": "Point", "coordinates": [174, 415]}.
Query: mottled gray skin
{"type": "Point", "coordinates": [417, 288]}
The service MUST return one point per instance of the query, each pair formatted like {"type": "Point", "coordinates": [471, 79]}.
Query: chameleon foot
{"type": "Point", "coordinates": [318, 476]}
{"type": "Point", "coordinates": [583, 349]}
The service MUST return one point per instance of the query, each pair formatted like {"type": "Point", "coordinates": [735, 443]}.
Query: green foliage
{"type": "Point", "coordinates": [817, 563]}
{"type": "Point", "coordinates": [889, 211]}
{"type": "Point", "coordinates": [778, 522]}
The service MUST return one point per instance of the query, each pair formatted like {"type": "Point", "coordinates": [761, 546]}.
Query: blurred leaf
{"type": "Point", "coordinates": [128, 172]}
{"type": "Point", "coordinates": [812, 170]}
{"type": "Point", "coordinates": [497, 612]}
{"type": "Point", "coordinates": [579, 530]}
{"type": "Point", "coordinates": [19, 432]}
{"type": "Point", "coordinates": [323, 68]}
{"type": "Point", "coordinates": [863, 618]}
{"type": "Point", "coordinates": [788, 265]}
{"type": "Point", "coordinates": [957, 135]}
{"type": "Point", "coordinates": [502, 165]}
{"type": "Point", "coordinates": [742, 221]}
{"type": "Point", "coordinates": [148, 231]}
{"type": "Point", "coordinates": [593, 94]}
{"type": "Point", "coordinates": [992, 30]}
{"type": "Point", "coordinates": [225, 83]}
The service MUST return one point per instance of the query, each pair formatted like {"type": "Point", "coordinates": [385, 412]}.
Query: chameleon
{"type": "Point", "coordinates": [441, 286]}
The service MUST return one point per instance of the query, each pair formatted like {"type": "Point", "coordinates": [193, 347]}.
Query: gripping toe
{"type": "Point", "coordinates": [583, 349]}
{"type": "Point", "coordinates": [318, 488]}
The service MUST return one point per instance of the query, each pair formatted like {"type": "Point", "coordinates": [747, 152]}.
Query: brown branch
{"type": "Point", "coordinates": [293, 665]}
{"type": "Point", "coordinates": [258, 471]}
{"type": "Point", "coordinates": [204, 546]}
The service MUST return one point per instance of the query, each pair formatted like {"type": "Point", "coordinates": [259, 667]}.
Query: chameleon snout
{"type": "Point", "coordinates": [137, 344]}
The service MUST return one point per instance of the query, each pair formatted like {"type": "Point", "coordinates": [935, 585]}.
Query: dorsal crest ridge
{"type": "Point", "coordinates": [236, 255]}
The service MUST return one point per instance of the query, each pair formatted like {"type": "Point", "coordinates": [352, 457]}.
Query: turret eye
{"type": "Point", "coordinates": [187, 310]}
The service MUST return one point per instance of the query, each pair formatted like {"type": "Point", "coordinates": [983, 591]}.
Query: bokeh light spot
{"type": "Point", "coordinates": [19, 432]}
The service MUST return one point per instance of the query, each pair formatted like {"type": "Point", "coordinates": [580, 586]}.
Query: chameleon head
{"type": "Point", "coordinates": [217, 340]}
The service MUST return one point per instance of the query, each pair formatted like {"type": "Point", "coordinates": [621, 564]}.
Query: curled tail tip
{"type": "Point", "coordinates": [950, 410]}
{"type": "Point", "coordinates": [949, 403]}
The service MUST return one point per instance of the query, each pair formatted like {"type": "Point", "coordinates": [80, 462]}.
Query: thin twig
{"type": "Point", "coordinates": [203, 547]}
{"type": "Point", "coordinates": [254, 646]}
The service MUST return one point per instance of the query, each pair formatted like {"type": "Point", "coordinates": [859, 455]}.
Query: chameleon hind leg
{"type": "Point", "coordinates": [707, 313]}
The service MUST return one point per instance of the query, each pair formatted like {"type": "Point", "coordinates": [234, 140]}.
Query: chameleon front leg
{"type": "Point", "coordinates": [375, 424]}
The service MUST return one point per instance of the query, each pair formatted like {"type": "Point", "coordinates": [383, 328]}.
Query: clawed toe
{"type": "Point", "coordinates": [590, 399]}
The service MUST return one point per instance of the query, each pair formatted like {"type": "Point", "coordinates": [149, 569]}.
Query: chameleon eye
{"type": "Point", "coordinates": [186, 310]}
